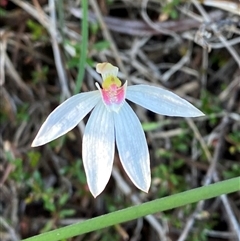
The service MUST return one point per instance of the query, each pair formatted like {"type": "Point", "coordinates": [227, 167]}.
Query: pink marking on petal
{"type": "Point", "coordinates": [114, 96]}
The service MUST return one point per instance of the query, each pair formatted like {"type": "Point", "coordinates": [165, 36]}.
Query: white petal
{"type": "Point", "coordinates": [132, 147]}
{"type": "Point", "coordinates": [66, 116]}
{"type": "Point", "coordinates": [98, 148]}
{"type": "Point", "coordinates": [161, 101]}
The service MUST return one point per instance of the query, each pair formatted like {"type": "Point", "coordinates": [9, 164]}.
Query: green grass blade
{"type": "Point", "coordinates": [134, 212]}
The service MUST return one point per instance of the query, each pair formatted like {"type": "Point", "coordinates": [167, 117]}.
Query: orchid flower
{"type": "Point", "coordinates": [113, 119]}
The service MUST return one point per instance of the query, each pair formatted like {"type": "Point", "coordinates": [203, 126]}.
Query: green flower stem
{"type": "Point", "coordinates": [134, 212]}
{"type": "Point", "coordinates": [84, 46]}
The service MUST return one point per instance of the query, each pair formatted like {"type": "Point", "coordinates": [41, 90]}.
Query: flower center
{"type": "Point", "coordinates": [110, 82]}
{"type": "Point", "coordinates": [113, 94]}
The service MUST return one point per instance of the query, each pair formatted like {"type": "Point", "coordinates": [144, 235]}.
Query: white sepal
{"type": "Point", "coordinates": [161, 101]}
{"type": "Point", "coordinates": [106, 69]}
{"type": "Point", "coordinates": [132, 147]}
{"type": "Point", "coordinates": [98, 148]}
{"type": "Point", "coordinates": [66, 116]}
